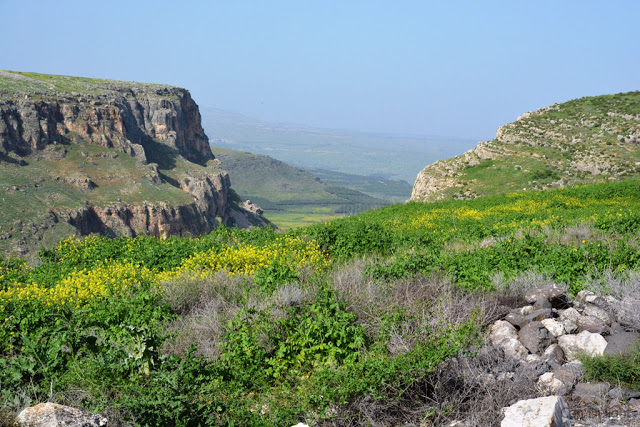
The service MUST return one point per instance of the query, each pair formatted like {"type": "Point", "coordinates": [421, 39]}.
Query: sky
{"type": "Point", "coordinates": [448, 68]}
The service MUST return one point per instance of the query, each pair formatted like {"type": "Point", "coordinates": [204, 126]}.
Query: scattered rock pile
{"type": "Point", "coordinates": [549, 334]}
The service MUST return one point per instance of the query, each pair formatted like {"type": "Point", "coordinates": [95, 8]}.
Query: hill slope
{"type": "Point", "coordinates": [290, 197]}
{"type": "Point", "coordinates": [80, 156]}
{"type": "Point", "coordinates": [581, 141]}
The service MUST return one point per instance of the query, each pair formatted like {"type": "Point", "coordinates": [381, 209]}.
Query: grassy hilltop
{"type": "Point", "coordinates": [591, 139]}
{"type": "Point", "coordinates": [347, 322]}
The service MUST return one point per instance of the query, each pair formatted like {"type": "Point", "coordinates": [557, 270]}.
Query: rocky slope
{"type": "Point", "coordinates": [81, 156]}
{"type": "Point", "coordinates": [584, 140]}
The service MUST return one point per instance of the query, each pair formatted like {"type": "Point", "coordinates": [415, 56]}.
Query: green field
{"type": "Point", "coordinates": [346, 322]}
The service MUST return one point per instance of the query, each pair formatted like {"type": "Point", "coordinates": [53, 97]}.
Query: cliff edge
{"type": "Point", "coordinates": [80, 156]}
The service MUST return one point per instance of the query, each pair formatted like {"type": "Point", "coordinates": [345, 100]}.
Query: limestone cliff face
{"type": "Point", "coordinates": [159, 126]}
{"type": "Point", "coordinates": [581, 141]}
{"type": "Point", "coordinates": [121, 117]}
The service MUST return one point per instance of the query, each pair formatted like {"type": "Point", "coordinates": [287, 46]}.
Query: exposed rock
{"type": "Point", "coordinates": [504, 335]}
{"type": "Point", "coordinates": [252, 207]}
{"type": "Point", "coordinates": [621, 393]}
{"type": "Point", "coordinates": [147, 122]}
{"type": "Point", "coordinates": [622, 343]}
{"type": "Point", "coordinates": [516, 319]}
{"type": "Point", "coordinates": [549, 411]}
{"type": "Point", "coordinates": [569, 319]}
{"type": "Point", "coordinates": [535, 337]}
{"type": "Point", "coordinates": [585, 342]}
{"type": "Point", "coordinates": [588, 297]}
{"type": "Point", "coordinates": [569, 373]}
{"type": "Point", "coordinates": [553, 326]}
{"type": "Point", "coordinates": [587, 132]}
{"type": "Point", "coordinates": [552, 293]}
{"type": "Point", "coordinates": [598, 313]}
{"type": "Point", "coordinates": [554, 355]}
{"type": "Point", "coordinates": [542, 303]}
{"type": "Point", "coordinates": [549, 385]}
{"type": "Point", "coordinates": [54, 415]}
{"type": "Point", "coordinates": [592, 324]}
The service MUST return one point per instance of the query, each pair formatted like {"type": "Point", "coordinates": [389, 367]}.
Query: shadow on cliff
{"type": "Point", "coordinates": [164, 156]}
{"type": "Point", "coordinates": [161, 154]}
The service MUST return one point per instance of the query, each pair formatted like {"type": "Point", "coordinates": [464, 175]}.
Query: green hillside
{"type": "Point", "coordinates": [343, 323]}
{"type": "Point", "coordinates": [290, 197]}
{"type": "Point", "coordinates": [394, 190]}
{"type": "Point", "coordinates": [591, 139]}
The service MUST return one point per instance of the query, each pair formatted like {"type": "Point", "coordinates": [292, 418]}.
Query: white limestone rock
{"type": "Point", "coordinates": [586, 343]}
{"type": "Point", "coordinates": [549, 385]}
{"type": "Point", "coordinates": [503, 334]}
{"type": "Point", "coordinates": [549, 411]}
{"type": "Point", "coordinates": [553, 326]}
{"type": "Point", "coordinates": [53, 415]}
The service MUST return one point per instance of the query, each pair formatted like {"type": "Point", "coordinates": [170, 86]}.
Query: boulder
{"type": "Point", "coordinates": [549, 385]}
{"type": "Point", "coordinates": [541, 304]}
{"type": "Point", "coordinates": [553, 293]}
{"type": "Point", "coordinates": [592, 324]}
{"type": "Point", "coordinates": [535, 337]}
{"type": "Point", "coordinates": [589, 298]}
{"type": "Point", "coordinates": [504, 336]}
{"type": "Point", "coordinates": [553, 326]}
{"type": "Point", "coordinates": [549, 411]}
{"type": "Point", "coordinates": [622, 343]}
{"type": "Point", "coordinates": [599, 313]}
{"type": "Point", "coordinates": [554, 355]}
{"type": "Point", "coordinates": [569, 319]}
{"type": "Point", "coordinates": [585, 342]}
{"type": "Point", "coordinates": [53, 415]}
{"type": "Point", "coordinates": [569, 373]}
{"type": "Point", "coordinates": [519, 320]}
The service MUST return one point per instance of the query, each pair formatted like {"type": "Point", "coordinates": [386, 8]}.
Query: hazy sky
{"type": "Point", "coordinates": [453, 68]}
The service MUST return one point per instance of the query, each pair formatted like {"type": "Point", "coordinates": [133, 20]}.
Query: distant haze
{"type": "Point", "coordinates": [454, 68]}
{"type": "Point", "coordinates": [360, 153]}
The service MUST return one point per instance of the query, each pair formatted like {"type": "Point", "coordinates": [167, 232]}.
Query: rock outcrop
{"type": "Point", "coordinates": [53, 415]}
{"type": "Point", "coordinates": [173, 185]}
{"type": "Point", "coordinates": [551, 348]}
{"type": "Point", "coordinates": [581, 141]}
{"type": "Point", "coordinates": [112, 114]}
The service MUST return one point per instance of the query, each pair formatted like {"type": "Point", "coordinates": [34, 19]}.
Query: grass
{"type": "Point", "coordinates": [38, 84]}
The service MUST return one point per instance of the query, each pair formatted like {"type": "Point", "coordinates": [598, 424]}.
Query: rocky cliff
{"type": "Point", "coordinates": [100, 156]}
{"type": "Point", "coordinates": [581, 141]}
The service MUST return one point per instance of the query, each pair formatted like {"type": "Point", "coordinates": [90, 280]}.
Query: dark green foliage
{"type": "Point", "coordinates": [615, 369]}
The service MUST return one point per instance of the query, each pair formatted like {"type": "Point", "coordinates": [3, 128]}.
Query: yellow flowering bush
{"type": "Point", "coordinates": [80, 286]}
{"type": "Point", "coordinates": [243, 258]}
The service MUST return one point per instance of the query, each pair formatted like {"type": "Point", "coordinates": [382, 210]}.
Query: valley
{"type": "Point", "coordinates": [141, 277]}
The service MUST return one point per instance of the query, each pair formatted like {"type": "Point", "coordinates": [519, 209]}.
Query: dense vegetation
{"type": "Point", "coordinates": [320, 324]}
